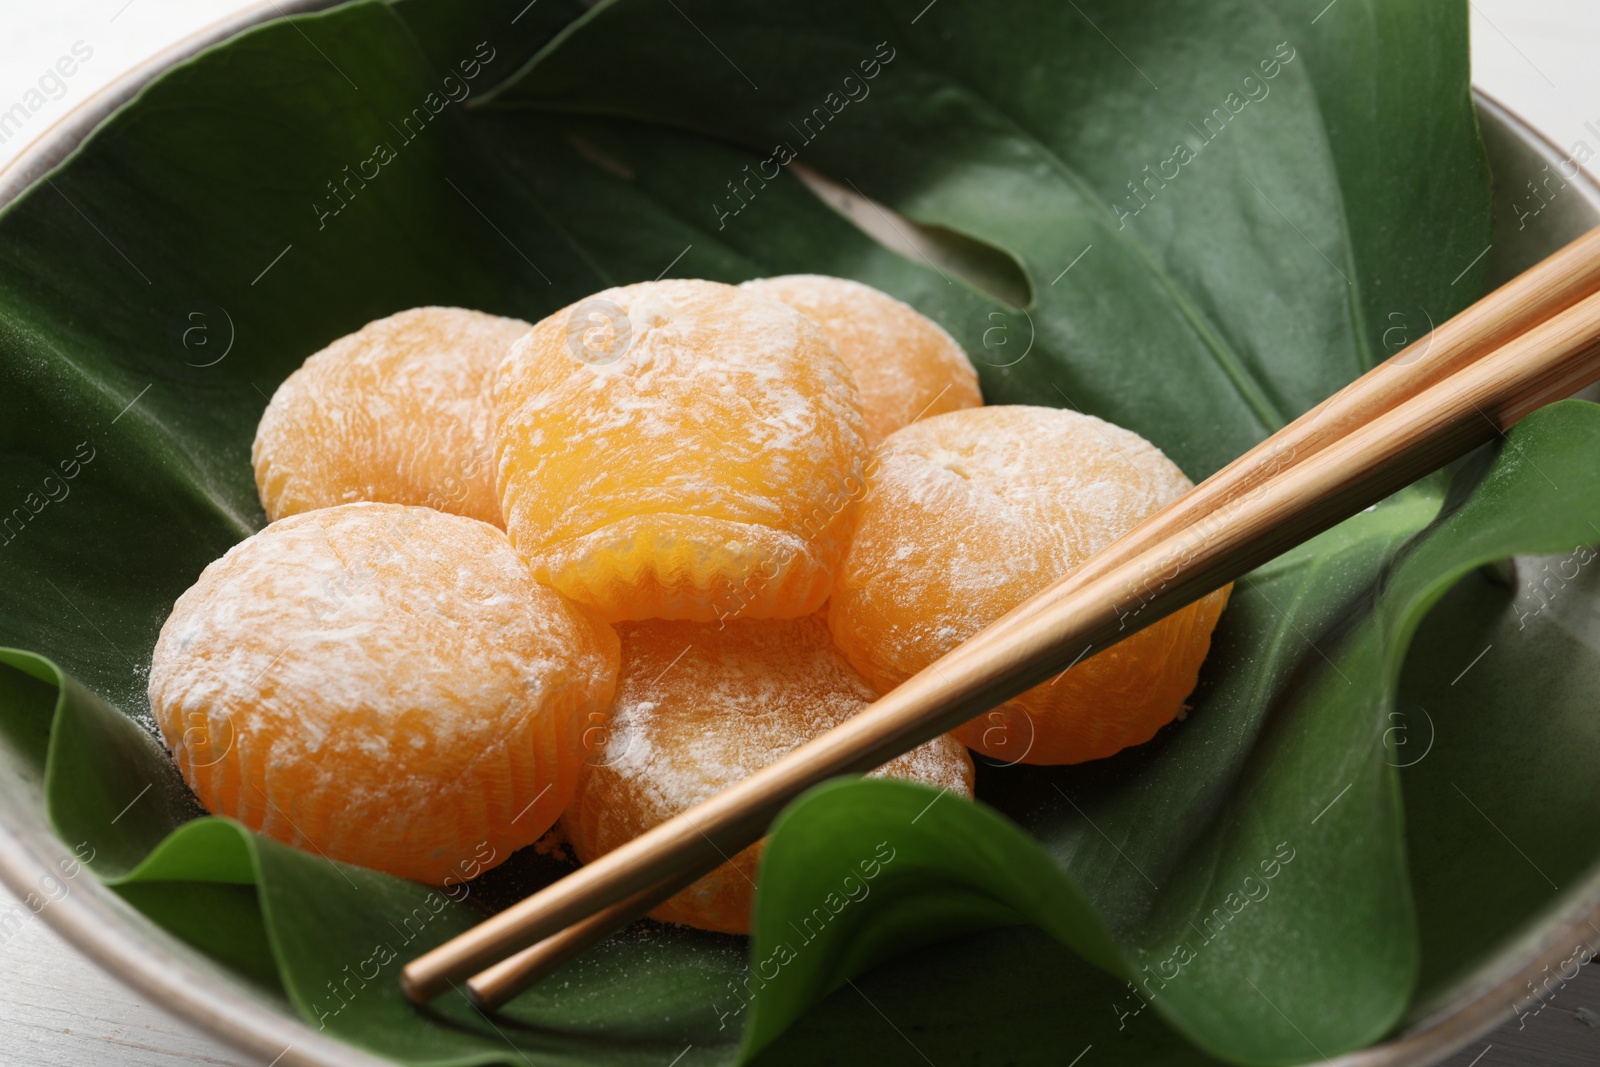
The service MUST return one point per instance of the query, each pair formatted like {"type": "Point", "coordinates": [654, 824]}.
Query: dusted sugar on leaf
{"type": "Point", "coordinates": [382, 685]}
{"type": "Point", "coordinates": [905, 365]}
{"type": "Point", "coordinates": [699, 708]}
{"type": "Point", "coordinates": [680, 450]}
{"type": "Point", "coordinates": [399, 412]}
{"type": "Point", "coordinates": [970, 513]}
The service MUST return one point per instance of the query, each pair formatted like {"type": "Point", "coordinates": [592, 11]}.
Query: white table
{"type": "Point", "coordinates": [60, 1010]}
{"type": "Point", "coordinates": [1539, 57]}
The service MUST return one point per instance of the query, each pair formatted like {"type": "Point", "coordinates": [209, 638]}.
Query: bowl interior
{"type": "Point", "coordinates": [166, 970]}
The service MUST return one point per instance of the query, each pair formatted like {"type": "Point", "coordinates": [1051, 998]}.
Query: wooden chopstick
{"type": "Point", "coordinates": [1422, 408]}
{"type": "Point", "coordinates": [495, 985]}
{"type": "Point", "coordinates": [1548, 288]}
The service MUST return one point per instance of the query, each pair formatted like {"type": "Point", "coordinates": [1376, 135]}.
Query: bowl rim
{"type": "Point", "coordinates": [119, 939]}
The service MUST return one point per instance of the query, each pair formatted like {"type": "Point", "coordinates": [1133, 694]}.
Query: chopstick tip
{"type": "Point", "coordinates": [415, 989]}
{"type": "Point", "coordinates": [482, 999]}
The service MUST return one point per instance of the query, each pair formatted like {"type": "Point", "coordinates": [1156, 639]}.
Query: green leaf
{"type": "Point", "coordinates": [1266, 274]}
{"type": "Point", "coordinates": [1283, 929]}
{"type": "Point", "coordinates": [1030, 128]}
{"type": "Point", "coordinates": [1497, 715]}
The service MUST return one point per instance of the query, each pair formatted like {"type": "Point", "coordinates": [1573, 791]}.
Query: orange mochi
{"type": "Point", "coordinates": [382, 685]}
{"type": "Point", "coordinates": [970, 513]}
{"type": "Point", "coordinates": [399, 412]}
{"type": "Point", "coordinates": [905, 365]}
{"type": "Point", "coordinates": [680, 450]}
{"type": "Point", "coordinates": [700, 707]}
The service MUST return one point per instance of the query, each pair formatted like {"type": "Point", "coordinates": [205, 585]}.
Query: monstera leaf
{"type": "Point", "coordinates": [1193, 219]}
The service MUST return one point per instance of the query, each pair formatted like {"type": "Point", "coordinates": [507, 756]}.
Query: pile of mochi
{"type": "Point", "coordinates": [594, 570]}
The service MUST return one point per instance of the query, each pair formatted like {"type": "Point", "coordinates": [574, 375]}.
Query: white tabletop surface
{"type": "Point", "coordinates": [1539, 57]}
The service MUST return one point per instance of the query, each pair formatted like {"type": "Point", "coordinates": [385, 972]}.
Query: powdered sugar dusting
{"type": "Point", "coordinates": [734, 700]}
{"type": "Point", "coordinates": [970, 512]}
{"type": "Point", "coordinates": [725, 406]}
{"type": "Point", "coordinates": [700, 708]}
{"type": "Point", "coordinates": [399, 411]}
{"type": "Point", "coordinates": [377, 666]}
{"type": "Point", "coordinates": [905, 365]}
